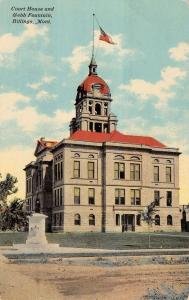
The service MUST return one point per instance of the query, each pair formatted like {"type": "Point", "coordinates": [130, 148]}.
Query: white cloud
{"type": "Point", "coordinates": [180, 52]}
{"type": "Point", "coordinates": [44, 95]}
{"type": "Point", "coordinates": [48, 79]}
{"type": "Point", "coordinates": [82, 54]}
{"type": "Point", "coordinates": [7, 59]}
{"type": "Point", "coordinates": [28, 118]}
{"type": "Point", "coordinates": [44, 80]}
{"type": "Point", "coordinates": [162, 90]}
{"type": "Point", "coordinates": [9, 103]}
{"type": "Point", "coordinates": [117, 48]}
{"type": "Point", "coordinates": [35, 85]}
{"type": "Point", "coordinates": [9, 43]}
{"type": "Point", "coordinates": [79, 56]}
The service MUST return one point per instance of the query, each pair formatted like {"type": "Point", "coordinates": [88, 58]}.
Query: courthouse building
{"type": "Point", "coordinates": [99, 179]}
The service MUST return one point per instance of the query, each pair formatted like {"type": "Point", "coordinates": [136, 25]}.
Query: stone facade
{"type": "Point", "coordinates": [99, 179]}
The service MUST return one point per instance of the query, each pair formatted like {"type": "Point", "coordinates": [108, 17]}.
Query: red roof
{"type": "Point", "coordinates": [43, 144]}
{"type": "Point", "coordinates": [47, 144]}
{"type": "Point", "coordinates": [115, 137]}
{"type": "Point", "coordinates": [90, 80]}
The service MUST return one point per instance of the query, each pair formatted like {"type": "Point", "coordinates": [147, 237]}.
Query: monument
{"type": "Point", "coordinates": [36, 241]}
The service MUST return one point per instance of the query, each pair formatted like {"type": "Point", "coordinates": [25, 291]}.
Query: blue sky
{"type": "Point", "coordinates": [147, 71]}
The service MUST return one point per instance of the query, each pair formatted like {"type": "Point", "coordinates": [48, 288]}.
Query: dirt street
{"type": "Point", "coordinates": [58, 280]}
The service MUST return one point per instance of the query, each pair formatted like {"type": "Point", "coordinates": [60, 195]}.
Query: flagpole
{"type": "Point", "coordinates": [93, 36]}
{"type": "Point", "coordinates": [96, 20]}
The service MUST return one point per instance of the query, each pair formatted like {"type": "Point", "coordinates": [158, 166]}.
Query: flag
{"type": "Point", "coordinates": [105, 37]}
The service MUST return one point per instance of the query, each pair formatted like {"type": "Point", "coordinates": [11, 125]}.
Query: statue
{"type": "Point", "coordinates": [37, 206]}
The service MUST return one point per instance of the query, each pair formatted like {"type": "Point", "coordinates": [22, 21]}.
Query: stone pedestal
{"type": "Point", "coordinates": [36, 230]}
{"type": "Point", "coordinates": [36, 241]}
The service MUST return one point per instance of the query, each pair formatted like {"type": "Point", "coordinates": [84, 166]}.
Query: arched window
{"type": "Point", "coordinates": [135, 158]}
{"type": "Point", "coordinates": [77, 219]}
{"type": "Point", "coordinates": [119, 157]}
{"type": "Point", "coordinates": [169, 220]}
{"type": "Point", "coordinates": [97, 86]}
{"type": "Point", "coordinates": [90, 107]}
{"type": "Point", "coordinates": [157, 220]}
{"type": "Point", "coordinates": [92, 220]}
{"type": "Point", "coordinates": [156, 161]}
{"type": "Point", "coordinates": [97, 109]}
{"type": "Point", "coordinates": [76, 155]}
{"type": "Point", "coordinates": [91, 156]}
{"type": "Point", "coordinates": [80, 108]}
{"type": "Point", "coordinates": [105, 109]}
{"type": "Point", "coordinates": [138, 220]}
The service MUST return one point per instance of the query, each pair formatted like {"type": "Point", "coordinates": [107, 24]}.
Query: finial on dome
{"type": "Point", "coordinates": [92, 66]}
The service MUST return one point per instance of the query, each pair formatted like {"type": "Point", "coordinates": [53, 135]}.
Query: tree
{"type": "Point", "coordinates": [7, 187]}
{"type": "Point", "coordinates": [148, 216]}
{"type": "Point", "coordinates": [14, 217]}
{"type": "Point", "coordinates": [12, 214]}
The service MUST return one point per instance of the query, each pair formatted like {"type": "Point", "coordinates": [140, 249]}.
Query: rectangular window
{"type": "Point", "coordinates": [168, 174]}
{"type": "Point", "coordinates": [76, 171]}
{"type": "Point", "coordinates": [156, 173]}
{"type": "Point", "coordinates": [29, 185]}
{"type": "Point", "coordinates": [58, 171]}
{"type": "Point", "coordinates": [40, 177]}
{"type": "Point", "coordinates": [157, 198]}
{"type": "Point", "coordinates": [61, 202]}
{"type": "Point", "coordinates": [91, 126]}
{"type": "Point", "coordinates": [91, 194]}
{"type": "Point", "coordinates": [58, 191]}
{"type": "Point", "coordinates": [169, 198]}
{"type": "Point", "coordinates": [58, 176]}
{"type": "Point", "coordinates": [135, 197]}
{"type": "Point", "coordinates": [119, 170]}
{"type": "Point", "coordinates": [55, 197]}
{"type": "Point", "coordinates": [61, 170]}
{"type": "Point", "coordinates": [91, 170]}
{"type": "Point", "coordinates": [134, 171]}
{"type": "Point", "coordinates": [117, 219]}
{"type": "Point", "coordinates": [119, 196]}
{"type": "Point", "coordinates": [55, 172]}
{"type": "Point", "coordinates": [76, 196]}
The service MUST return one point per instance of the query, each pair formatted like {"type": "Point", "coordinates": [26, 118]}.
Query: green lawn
{"type": "Point", "coordinates": [105, 240]}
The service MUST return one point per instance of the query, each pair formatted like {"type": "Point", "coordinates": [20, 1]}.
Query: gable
{"type": "Point", "coordinates": [39, 148]}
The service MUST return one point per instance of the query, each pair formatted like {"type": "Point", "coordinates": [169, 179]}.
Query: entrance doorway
{"type": "Point", "coordinates": [128, 222]}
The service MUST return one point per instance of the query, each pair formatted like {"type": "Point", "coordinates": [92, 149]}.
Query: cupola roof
{"type": "Point", "coordinates": [94, 82]}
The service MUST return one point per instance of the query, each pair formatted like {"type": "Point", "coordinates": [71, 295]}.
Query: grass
{"type": "Point", "coordinates": [167, 293]}
{"type": "Point", "coordinates": [119, 241]}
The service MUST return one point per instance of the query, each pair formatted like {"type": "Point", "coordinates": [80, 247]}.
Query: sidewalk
{"type": "Point", "coordinates": [12, 253]}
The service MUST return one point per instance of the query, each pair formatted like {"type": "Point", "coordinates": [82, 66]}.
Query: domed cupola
{"type": "Point", "coordinates": [93, 85]}
{"type": "Point", "coordinates": [93, 104]}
